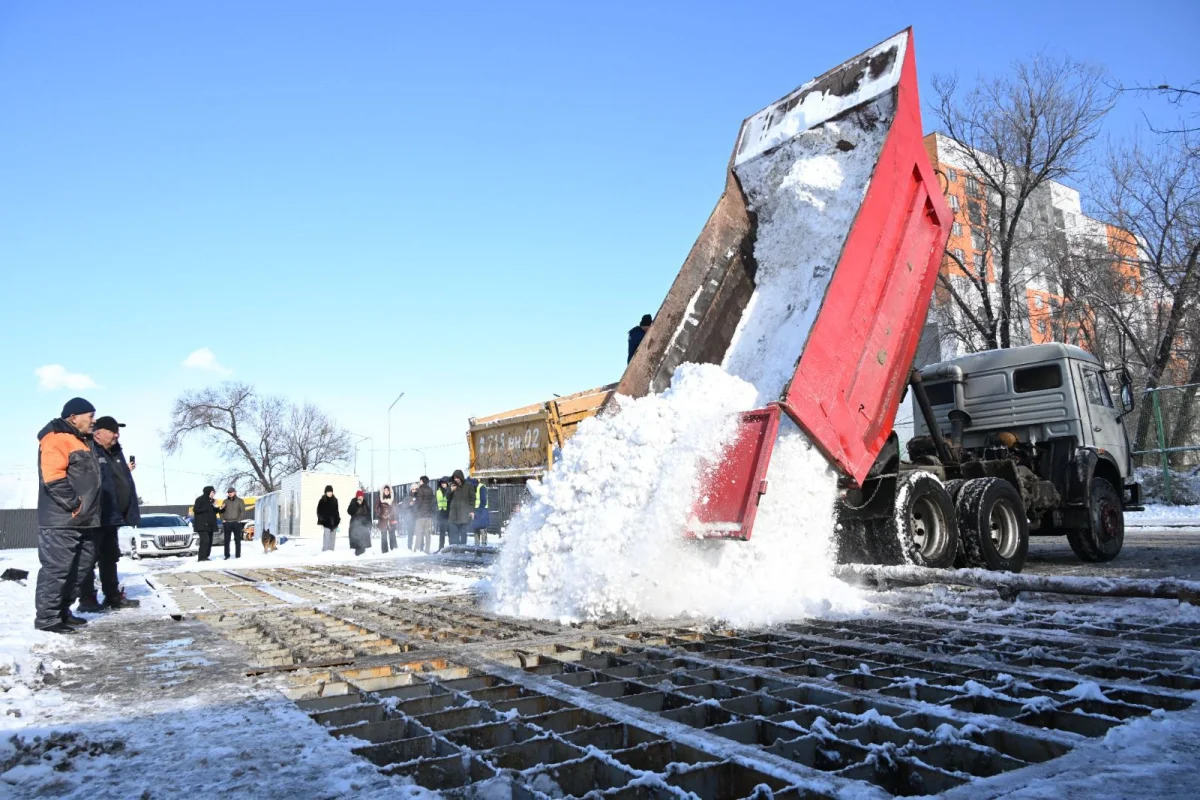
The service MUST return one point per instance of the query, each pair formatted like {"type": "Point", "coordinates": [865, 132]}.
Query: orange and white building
{"type": "Point", "coordinates": [1053, 218]}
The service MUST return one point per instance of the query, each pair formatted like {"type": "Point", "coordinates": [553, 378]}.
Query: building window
{"type": "Point", "coordinates": [973, 187]}
{"type": "Point", "coordinates": [1059, 219]}
{"type": "Point", "coordinates": [954, 202]}
{"type": "Point", "coordinates": [978, 261]}
{"type": "Point", "coordinates": [974, 212]}
{"type": "Point", "coordinates": [958, 253]}
{"type": "Point", "coordinates": [956, 229]}
{"type": "Point", "coordinates": [977, 241]}
{"type": "Point", "coordinates": [952, 174]}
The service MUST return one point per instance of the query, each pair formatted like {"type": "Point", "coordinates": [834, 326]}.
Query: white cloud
{"type": "Point", "coordinates": [55, 376]}
{"type": "Point", "coordinates": [206, 360]}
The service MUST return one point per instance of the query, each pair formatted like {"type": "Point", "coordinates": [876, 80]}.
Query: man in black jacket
{"type": "Point", "coordinates": [205, 521]}
{"type": "Point", "coordinates": [328, 517]}
{"type": "Point", "coordinates": [424, 506]}
{"type": "Point", "coordinates": [637, 334]}
{"type": "Point", "coordinates": [118, 506]}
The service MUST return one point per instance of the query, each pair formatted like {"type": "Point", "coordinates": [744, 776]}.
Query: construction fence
{"type": "Point", "coordinates": [1173, 453]}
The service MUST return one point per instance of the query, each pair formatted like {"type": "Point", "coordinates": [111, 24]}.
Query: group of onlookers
{"type": "Point", "coordinates": [85, 493]}
{"type": "Point", "coordinates": [457, 506]}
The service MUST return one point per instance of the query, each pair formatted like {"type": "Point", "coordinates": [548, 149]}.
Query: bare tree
{"type": "Point", "coordinates": [313, 439]}
{"type": "Point", "coordinates": [1154, 195]}
{"type": "Point", "coordinates": [261, 438]}
{"type": "Point", "coordinates": [1017, 132]}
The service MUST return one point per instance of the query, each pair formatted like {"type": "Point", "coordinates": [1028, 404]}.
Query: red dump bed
{"type": "Point", "coordinates": [852, 370]}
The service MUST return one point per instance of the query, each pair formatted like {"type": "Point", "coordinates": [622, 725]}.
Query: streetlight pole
{"type": "Point", "coordinates": [424, 464]}
{"type": "Point", "coordinates": [389, 416]}
{"type": "Point", "coordinates": [362, 439]}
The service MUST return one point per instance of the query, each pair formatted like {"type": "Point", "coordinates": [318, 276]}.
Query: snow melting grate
{"type": "Point", "coordinates": [661, 712]}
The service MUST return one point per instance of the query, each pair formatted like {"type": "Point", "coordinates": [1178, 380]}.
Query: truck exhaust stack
{"type": "Point", "coordinates": [812, 276]}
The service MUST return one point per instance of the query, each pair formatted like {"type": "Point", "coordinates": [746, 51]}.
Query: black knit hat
{"type": "Point", "coordinates": [77, 405]}
{"type": "Point", "coordinates": [329, 488]}
{"type": "Point", "coordinates": [647, 320]}
{"type": "Point", "coordinates": [209, 490]}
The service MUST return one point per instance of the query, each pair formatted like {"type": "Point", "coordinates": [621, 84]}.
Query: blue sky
{"type": "Point", "coordinates": [470, 203]}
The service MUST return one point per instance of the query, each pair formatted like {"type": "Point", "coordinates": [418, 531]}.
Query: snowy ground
{"type": "Point", "coordinates": [141, 704]}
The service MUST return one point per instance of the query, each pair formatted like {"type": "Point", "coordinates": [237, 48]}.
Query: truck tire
{"type": "Point", "coordinates": [993, 528]}
{"type": "Point", "coordinates": [923, 530]}
{"type": "Point", "coordinates": [1103, 539]}
{"type": "Point", "coordinates": [954, 487]}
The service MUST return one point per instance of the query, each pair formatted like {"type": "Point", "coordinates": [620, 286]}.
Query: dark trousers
{"type": "Point", "coordinates": [205, 544]}
{"type": "Point", "coordinates": [410, 528]}
{"type": "Point", "coordinates": [65, 555]}
{"type": "Point", "coordinates": [458, 532]}
{"type": "Point", "coordinates": [233, 529]}
{"type": "Point", "coordinates": [387, 533]}
{"type": "Point", "coordinates": [443, 528]}
{"type": "Point", "coordinates": [108, 552]}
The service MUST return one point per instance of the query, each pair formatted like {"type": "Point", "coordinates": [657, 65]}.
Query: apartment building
{"type": "Point", "coordinates": [1051, 226]}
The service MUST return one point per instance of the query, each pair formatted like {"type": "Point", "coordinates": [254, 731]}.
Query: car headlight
{"type": "Point", "coordinates": [145, 543]}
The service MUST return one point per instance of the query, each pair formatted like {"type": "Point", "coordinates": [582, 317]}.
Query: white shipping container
{"type": "Point", "coordinates": [292, 511]}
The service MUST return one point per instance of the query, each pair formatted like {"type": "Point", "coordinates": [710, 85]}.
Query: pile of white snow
{"type": "Point", "coordinates": [604, 535]}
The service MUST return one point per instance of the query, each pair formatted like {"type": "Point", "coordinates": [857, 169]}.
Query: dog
{"type": "Point", "coordinates": [268, 541]}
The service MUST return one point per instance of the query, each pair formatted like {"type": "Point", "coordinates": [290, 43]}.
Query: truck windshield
{"type": "Point", "coordinates": [1037, 379]}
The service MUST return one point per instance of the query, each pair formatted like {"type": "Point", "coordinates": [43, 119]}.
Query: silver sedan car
{"type": "Point", "coordinates": [159, 535]}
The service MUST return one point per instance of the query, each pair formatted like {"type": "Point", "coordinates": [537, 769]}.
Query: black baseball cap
{"type": "Point", "coordinates": [108, 424]}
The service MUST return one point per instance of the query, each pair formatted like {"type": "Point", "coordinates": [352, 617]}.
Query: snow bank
{"type": "Point", "coordinates": [603, 535]}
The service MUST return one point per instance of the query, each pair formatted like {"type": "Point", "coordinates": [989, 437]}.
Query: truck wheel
{"type": "Point", "coordinates": [922, 524]}
{"type": "Point", "coordinates": [1102, 540]}
{"type": "Point", "coordinates": [992, 525]}
{"type": "Point", "coordinates": [954, 487]}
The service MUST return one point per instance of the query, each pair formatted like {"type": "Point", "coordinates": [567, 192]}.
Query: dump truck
{"type": "Point", "coordinates": [1011, 441]}
{"type": "Point", "coordinates": [515, 446]}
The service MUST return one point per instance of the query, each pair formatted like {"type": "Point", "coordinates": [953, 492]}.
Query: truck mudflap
{"type": "Point", "coordinates": [852, 368]}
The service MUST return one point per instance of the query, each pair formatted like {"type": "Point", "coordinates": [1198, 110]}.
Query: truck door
{"type": "Point", "coordinates": [1107, 432]}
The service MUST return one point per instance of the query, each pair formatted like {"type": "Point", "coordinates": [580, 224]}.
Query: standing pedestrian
{"type": "Point", "coordinates": [462, 507]}
{"type": "Point", "coordinates": [360, 523]}
{"type": "Point", "coordinates": [482, 518]}
{"type": "Point", "coordinates": [407, 518]}
{"type": "Point", "coordinates": [386, 519]}
{"type": "Point", "coordinates": [443, 511]}
{"type": "Point", "coordinates": [329, 518]}
{"type": "Point", "coordinates": [424, 507]}
{"type": "Point", "coordinates": [68, 511]}
{"type": "Point", "coordinates": [118, 506]}
{"type": "Point", "coordinates": [204, 521]}
{"type": "Point", "coordinates": [231, 521]}
{"type": "Point", "coordinates": [637, 334]}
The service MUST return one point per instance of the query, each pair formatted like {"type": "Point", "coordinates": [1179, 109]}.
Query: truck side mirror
{"type": "Point", "coordinates": [1126, 392]}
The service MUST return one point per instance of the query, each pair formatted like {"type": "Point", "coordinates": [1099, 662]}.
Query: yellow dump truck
{"type": "Point", "coordinates": [516, 445]}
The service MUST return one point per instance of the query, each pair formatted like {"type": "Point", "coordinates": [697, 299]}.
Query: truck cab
{"type": "Point", "coordinates": [1044, 418]}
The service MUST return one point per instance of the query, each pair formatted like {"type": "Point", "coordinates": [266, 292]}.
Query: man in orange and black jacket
{"type": "Point", "coordinates": [68, 514]}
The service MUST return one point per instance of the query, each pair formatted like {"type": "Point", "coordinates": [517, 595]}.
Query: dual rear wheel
{"type": "Point", "coordinates": [977, 523]}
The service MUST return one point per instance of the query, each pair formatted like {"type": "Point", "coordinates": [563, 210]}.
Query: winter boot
{"type": "Point", "coordinates": [70, 619]}
{"type": "Point", "coordinates": [90, 605]}
{"type": "Point", "coordinates": [121, 601]}
{"type": "Point", "coordinates": [58, 627]}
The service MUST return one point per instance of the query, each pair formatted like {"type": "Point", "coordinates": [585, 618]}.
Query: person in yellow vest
{"type": "Point", "coordinates": [443, 516]}
{"type": "Point", "coordinates": [482, 517]}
